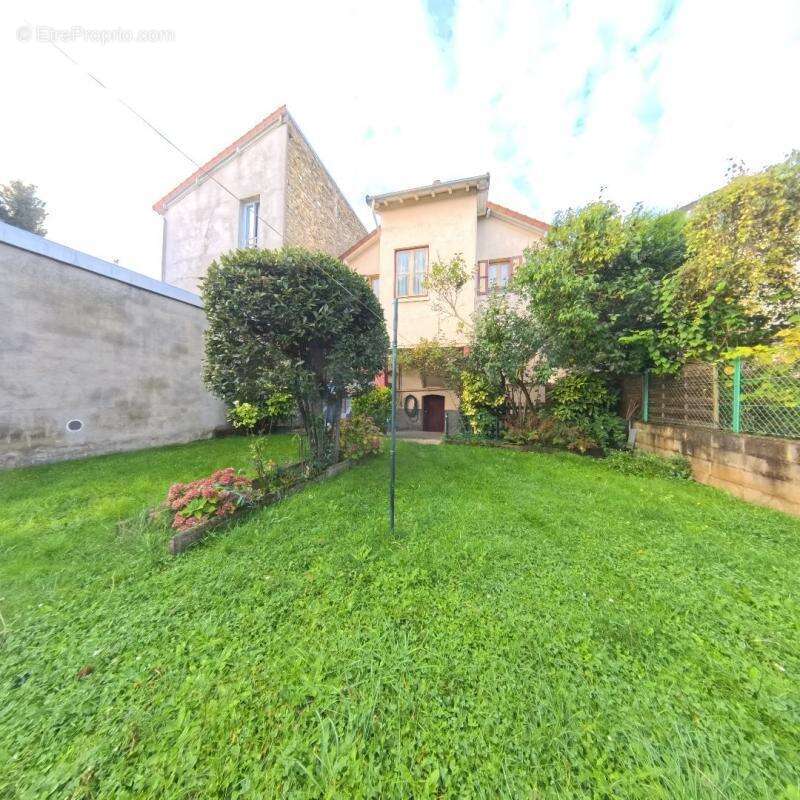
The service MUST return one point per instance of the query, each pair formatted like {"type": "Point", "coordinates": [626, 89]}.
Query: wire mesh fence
{"type": "Point", "coordinates": [740, 396]}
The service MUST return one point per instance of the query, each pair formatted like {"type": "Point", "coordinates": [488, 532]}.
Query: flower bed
{"type": "Point", "coordinates": [189, 533]}
{"type": "Point", "coordinates": [219, 495]}
{"type": "Point", "coordinates": [193, 509]}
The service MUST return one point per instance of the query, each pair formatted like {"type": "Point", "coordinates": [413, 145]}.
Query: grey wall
{"type": "Point", "coordinates": [122, 354]}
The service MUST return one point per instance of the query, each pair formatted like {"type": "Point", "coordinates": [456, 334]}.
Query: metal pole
{"type": "Point", "coordinates": [393, 423]}
{"type": "Point", "coordinates": [737, 395]}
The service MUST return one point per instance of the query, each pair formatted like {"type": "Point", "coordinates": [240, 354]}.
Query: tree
{"type": "Point", "coordinates": [594, 283]}
{"type": "Point", "coordinates": [431, 358]}
{"type": "Point", "coordinates": [507, 349]}
{"type": "Point", "coordinates": [19, 206]}
{"type": "Point", "coordinates": [295, 319]}
{"type": "Point", "coordinates": [445, 282]}
{"type": "Point", "coordinates": [740, 283]}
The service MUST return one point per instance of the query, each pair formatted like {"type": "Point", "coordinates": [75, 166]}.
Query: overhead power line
{"type": "Point", "coordinates": [196, 164]}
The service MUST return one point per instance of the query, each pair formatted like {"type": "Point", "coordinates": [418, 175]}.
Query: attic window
{"type": "Point", "coordinates": [248, 223]}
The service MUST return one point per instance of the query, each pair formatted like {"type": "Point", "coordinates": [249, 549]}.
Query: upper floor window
{"type": "Point", "coordinates": [248, 223]}
{"type": "Point", "coordinates": [495, 275]}
{"type": "Point", "coordinates": [375, 284]}
{"type": "Point", "coordinates": [411, 267]}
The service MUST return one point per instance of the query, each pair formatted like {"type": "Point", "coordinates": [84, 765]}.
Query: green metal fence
{"type": "Point", "coordinates": [740, 396]}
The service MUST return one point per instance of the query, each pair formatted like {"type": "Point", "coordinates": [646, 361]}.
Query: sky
{"type": "Point", "coordinates": [562, 102]}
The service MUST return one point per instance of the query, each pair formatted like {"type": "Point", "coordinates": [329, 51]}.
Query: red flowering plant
{"type": "Point", "coordinates": [218, 495]}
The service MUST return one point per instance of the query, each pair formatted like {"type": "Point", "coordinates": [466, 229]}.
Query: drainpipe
{"type": "Point", "coordinates": [372, 209]}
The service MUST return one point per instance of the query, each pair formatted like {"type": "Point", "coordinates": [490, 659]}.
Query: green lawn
{"type": "Point", "coordinates": [539, 627]}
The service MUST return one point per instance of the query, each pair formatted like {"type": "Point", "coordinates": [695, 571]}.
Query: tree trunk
{"type": "Point", "coordinates": [337, 416]}
{"type": "Point", "coordinates": [529, 407]}
{"type": "Point", "coordinates": [311, 412]}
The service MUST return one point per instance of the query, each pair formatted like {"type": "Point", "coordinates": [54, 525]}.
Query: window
{"type": "Point", "coordinates": [498, 274]}
{"type": "Point", "coordinates": [411, 267]}
{"type": "Point", "coordinates": [248, 224]}
{"type": "Point", "coordinates": [495, 275]}
{"type": "Point", "coordinates": [375, 284]}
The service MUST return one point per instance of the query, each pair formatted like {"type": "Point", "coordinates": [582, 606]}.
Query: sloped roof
{"type": "Point", "coordinates": [479, 182]}
{"type": "Point", "coordinates": [360, 243]}
{"type": "Point", "coordinates": [276, 116]}
{"type": "Point", "coordinates": [516, 215]}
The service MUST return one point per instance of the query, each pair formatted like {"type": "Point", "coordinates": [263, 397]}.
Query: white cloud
{"type": "Point", "coordinates": [386, 104]}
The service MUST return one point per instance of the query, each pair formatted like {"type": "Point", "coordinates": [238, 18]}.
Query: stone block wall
{"type": "Point", "coordinates": [317, 214]}
{"type": "Point", "coordinates": [760, 469]}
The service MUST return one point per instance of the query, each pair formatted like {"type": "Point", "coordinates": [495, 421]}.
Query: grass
{"type": "Point", "coordinates": [540, 626]}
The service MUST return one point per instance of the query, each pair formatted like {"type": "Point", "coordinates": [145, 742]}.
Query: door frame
{"type": "Point", "coordinates": [425, 405]}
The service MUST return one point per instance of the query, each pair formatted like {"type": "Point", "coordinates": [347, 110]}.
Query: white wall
{"type": "Point", "coordinates": [204, 223]}
{"type": "Point", "coordinates": [446, 226]}
{"type": "Point", "coordinates": [500, 239]}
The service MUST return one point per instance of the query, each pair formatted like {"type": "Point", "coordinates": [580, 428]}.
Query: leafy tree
{"type": "Point", "coordinates": [594, 282]}
{"type": "Point", "coordinates": [507, 348]}
{"type": "Point", "coordinates": [445, 283]}
{"type": "Point", "coordinates": [295, 319]}
{"type": "Point", "coordinates": [482, 403]}
{"type": "Point", "coordinates": [19, 206]}
{"type": "Point", "coordinates": [431, 357]}
{"type": "Point", "coordinates": [740, 283]}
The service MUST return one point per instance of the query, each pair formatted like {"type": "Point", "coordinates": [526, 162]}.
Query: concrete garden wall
{"type": "Point", "coordinates": [761, 469]}
{"type": "Point", "coordinates": [85, 340]}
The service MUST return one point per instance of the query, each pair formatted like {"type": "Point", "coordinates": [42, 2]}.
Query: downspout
{"type": "Point", "coordinates": [371, 202]}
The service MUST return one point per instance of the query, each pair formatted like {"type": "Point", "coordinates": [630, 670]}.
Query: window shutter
{"type": "Point", "coordinates": [481, 276]}
{"type": "Point", "coordinates": [516, 263]}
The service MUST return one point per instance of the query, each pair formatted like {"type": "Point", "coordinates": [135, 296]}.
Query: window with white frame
{"type": "Point", "coordinates": [411, 269]}
{"type": "Point", "coordinates": [375, 284]}
{"type": "Point", "coordinates": [496, 274]}
{"type": "Point", "coordinates": [249, 223]}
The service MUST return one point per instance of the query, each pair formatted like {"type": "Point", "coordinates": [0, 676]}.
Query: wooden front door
{"type": "Point", "coordinates": [433, 413]}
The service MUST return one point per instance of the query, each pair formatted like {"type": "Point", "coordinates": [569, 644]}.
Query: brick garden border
{"type": "Point", "coordinates": [186, 539]}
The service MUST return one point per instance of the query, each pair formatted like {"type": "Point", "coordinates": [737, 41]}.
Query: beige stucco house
{"type": "Point", "coordinates": [416, 228]}
{"type": "Point", "coordinates": [267, 189]}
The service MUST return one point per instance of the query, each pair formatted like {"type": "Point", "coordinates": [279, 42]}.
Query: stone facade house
{"type": "Point", "coordinates": [416, 228]}
{"type": "Point", "coordinates": [267, 189]}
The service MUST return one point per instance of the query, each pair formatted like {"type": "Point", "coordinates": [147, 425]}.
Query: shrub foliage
{"type": "Point", "coordinates": [375, 404]}
{"type": "Point", "coordinates": [295, 319]}
{"type": "Point", "coordinates": [360, 437]}
{"type": "Point", "coordinates": [649, 465]}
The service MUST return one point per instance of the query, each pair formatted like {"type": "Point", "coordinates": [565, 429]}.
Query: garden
{"type": "Point", "coordinates": [540, 625]}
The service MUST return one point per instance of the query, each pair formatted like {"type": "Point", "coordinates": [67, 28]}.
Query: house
{"type": "Point", "coordinates": [418, 227]}
{"type": "Point", "coordinates": [267, 189]}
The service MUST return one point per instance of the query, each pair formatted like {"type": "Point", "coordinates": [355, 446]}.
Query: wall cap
{"type": "Point", "coordinates": [24, 240]}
